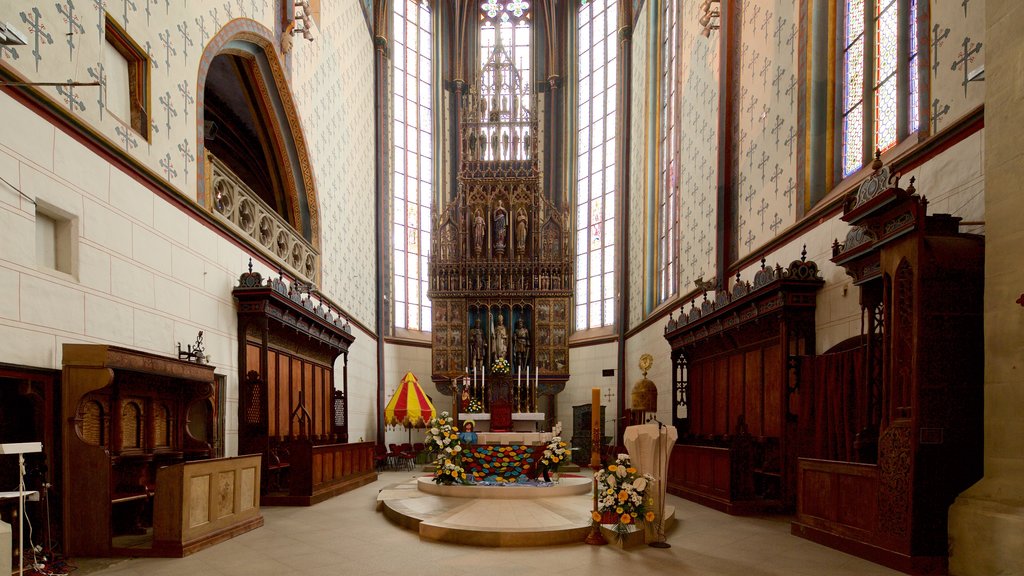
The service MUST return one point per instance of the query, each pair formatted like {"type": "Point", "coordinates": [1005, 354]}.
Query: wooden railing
{"type": "Point", "coordinates": [320, 472]}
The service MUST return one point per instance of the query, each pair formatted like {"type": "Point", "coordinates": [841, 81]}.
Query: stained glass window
{"type": "Point", "coordinates": [871, 69]}
{"type": "Point", "coordinates": [595, 176]}
{"type": "Point", "coordinates": [507, 21]}
{"type": "Point", "coordinates": [412, 181]}
{"type": "Point", "coordinates": [668, 196]}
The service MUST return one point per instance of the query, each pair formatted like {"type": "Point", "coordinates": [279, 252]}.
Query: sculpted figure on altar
{"type": "Point", "coordinates": [500, 228]}
{"type": "Point", "coordinates": [521, 231]}
{"type": "Point", "coordinates": [478, 233]}
{"type": "Point", "coordinates": [476, 343]}
{"type": "Point", "coordinates": [500, 338]}
{"type": "Point", "coordinates": [521, 344]}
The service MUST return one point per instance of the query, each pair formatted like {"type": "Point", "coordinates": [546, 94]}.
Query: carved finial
{"type": "Point", "coordinates": [877, 162]}
{"type": "Point", "coordinates": [803, 254]}
{"type": "Point", "coordinates": [250, 265]}
{"type": "Point", "coordinates": [835, 246]}
{"type": "Point", "coordinates": [763, 260]}
{"type": "Point", "coordinates": [911, 189]}
{"type": "Point", "coordinates": [737, 277]}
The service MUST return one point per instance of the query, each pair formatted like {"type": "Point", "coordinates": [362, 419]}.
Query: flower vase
{"type": "Point", "coordinates": [550, 476]}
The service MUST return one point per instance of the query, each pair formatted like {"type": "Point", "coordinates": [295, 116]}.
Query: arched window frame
{"type": "Point", "coordinates": [412, 169]}
{"type": "Point", "coordinates": [878, 95]}
{"type": "Point", "coordinates": [667, 225]}
{"type": "Point", "coordinates": [597, 94]}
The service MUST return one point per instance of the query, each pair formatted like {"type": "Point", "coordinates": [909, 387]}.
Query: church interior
{"type": "Point", "coordinates": [297, 286]}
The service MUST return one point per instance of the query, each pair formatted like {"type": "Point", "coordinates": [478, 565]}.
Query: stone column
{"type": "Point", "coordinates": [986, 523]}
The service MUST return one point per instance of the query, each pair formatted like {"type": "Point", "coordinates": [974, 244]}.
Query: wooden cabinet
{"type": "Point", "coordinates": [125, 415]}
{"type": "Point", "coordinates": [292, 405]}
{"type": "Point", "coordinates": [735, 388]}
{"type": "Point", "coordinates": [921, 287]}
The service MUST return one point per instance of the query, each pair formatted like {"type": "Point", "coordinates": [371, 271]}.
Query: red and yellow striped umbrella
{"type": "Point", "coordinates": [410, 406]}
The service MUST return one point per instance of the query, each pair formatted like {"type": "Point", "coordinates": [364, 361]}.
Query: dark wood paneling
{"type": "Point", "coordinates": [754, 396]}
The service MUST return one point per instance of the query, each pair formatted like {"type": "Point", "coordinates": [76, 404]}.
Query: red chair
{"type": "Point", "coordinates": [380, 457]}
{"type": "Point", "coordinates": [407, 455]}
{"type": "Point", "coordinates": [394, 455]}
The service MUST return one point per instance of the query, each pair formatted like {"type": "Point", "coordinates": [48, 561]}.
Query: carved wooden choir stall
{"type": "Point", "coordinates": [879, 480]}
{"type": "Point", "coordinates": [734, 379]}
{"type": "Point", "coordinates": [138, 480]}
{"type": "Point", "coordinates": [501, 277]}
{"type": "Point", "coordinates": [289, 408]}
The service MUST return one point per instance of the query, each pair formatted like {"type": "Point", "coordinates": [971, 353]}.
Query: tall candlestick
{"type": "Point", "coordinates": [536, 385]}
{"type": "Point", "coordinates": [529, 390]}
{"type": "Point", "coordinates": [595, 428]}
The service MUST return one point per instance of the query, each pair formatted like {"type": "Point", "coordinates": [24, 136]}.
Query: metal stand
{"type": "Point", "coordinates": [595, 537]}
{"type": "Point", "coordinates": [20, 449]}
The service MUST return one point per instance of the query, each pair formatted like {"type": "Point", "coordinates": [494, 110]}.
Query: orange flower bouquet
{"type": "Point", "coordinates": [622, 498]}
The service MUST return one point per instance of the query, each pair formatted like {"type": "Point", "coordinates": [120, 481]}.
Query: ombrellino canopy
{"type": "Point", "coordinates": [409, 407]}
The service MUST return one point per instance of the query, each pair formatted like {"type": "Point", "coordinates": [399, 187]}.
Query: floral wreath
{"type": "Point", "coordinates": [474, 406]}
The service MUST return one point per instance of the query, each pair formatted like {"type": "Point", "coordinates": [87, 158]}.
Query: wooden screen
{"type": "Point", "coordinates": [300, 394]}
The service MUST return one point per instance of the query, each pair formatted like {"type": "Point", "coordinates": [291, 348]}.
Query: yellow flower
{"type": "Point", "coordinates": [612, 468]}
{"type": "Point", "coordinates": [623, 496]}
{"type": "Point", "coordinates": [562, 444]}
{"type": "Point", "coordinates": [626, 519]}
{"type": "Point", "coordinates": [649, 516]}
{"type": "Point", "coordinates": [618, 510]}
{"type": "Point", "coordinates": [631, 470]}
{"type": "Point", "coordinates": [554, 458]}
{"type": "Point", "coordinates": [596, 516]}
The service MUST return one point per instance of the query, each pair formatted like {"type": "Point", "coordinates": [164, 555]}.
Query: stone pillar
{"type": "Point", "coordinates": [986, 522]}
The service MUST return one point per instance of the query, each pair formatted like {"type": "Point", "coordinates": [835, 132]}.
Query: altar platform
{"type": "Point", "coordinates": [510, 516]}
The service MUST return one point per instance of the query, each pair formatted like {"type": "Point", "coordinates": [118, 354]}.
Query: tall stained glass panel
{"type": "Point", "coordinates": [595, 176]}
{"type": "Point", "coordinates": [412, 180]}
{"type": "Point", "coordinates": [668, 197]}
{"type": "Point", "coordinates": [873, 96]}
{"type": "Point", "coordinates": [507, 22]}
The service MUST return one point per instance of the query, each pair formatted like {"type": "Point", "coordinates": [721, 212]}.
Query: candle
{"type": "Point", "coordinates": [595, 428]}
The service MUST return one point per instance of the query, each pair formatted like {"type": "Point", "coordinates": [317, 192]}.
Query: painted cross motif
{"type": "Point", "coordinates": [100, 6]}
{"type": "Point", "coordinates": [167, 6]}
{"type": "Point", "coordinates": [149, 12]}
{"type": "Point", "coordinates": [10, 51]}
{"type": "Point", "coordinates": [776, 222]}
{"type": "Point", "coordinates": [169, 48]}
{"type": "Point", "coordinates": [128, 135]}
{"type": "Point", "coordinates": [186, 40]}
{"type": "Point", "coordinates": [789, 140]}
{"type": "Point", "coordinates": [216, 19]}
{"type": "Point", "coordinates": [764, 71]}
{"type": "Point", "coordinates": [241, 9]}
{"type": "Point", "coordinates": [776, 129]}
{"type": "Point", "coordinates": [252, 14]}
{"type": "Point", "coordinates": [99, 74]}
{"type": "Point", "coordinates": [154, 129]}
{"type": "Point", "coordinates": [750, 239]}
{"type": "Point", "coordinates": [778, 30]}
{"type": "Point", "coordinates": [761, 211]}
{"type": "Point", "coordinates": [936, 114]}
{"type": "Point", "coordinates": [169, 111]}
{"type": "Point", "coordinates": [67, 10]}
{"type": "Point", "coordinates": [741, 222]}
{"type": "Point", "coordinates": [938, 41]}
{"type": "Point", "coordinates": [67, 91]}
{"type": "Point", "coordinates": [762, 164]}
{"type": "Point", "coordinates": [750, 156]}
{"type": "Point", "coordinates": [201, 23]}
{"type": "Point", "coordinates": [752, 65]}
{"type": "Point", "coordinates": [754, 14]}
{"type": "Point", "coordinates": [168, 166]}
{"type": "Point", "coordinates": [149, 52]}
{"type": "Point", "coordinates": [761, 118]}
{"type": "Point", "coordinates": [126, 4]}
{"type": "Point", "coordinates": [792, 34]}
{"type": "Point", "coordinates": [791, 89]}
{"type": "Point", "coordinates": [766, 22]}
{"type": "Point", "coordinates": [966, 57]}
{"type": "Point", "coordinates": [186, 95]}
{"type": "Point", "coordinates": [775, 178]}
{"type": "Point", "coordinates": [777, 80]}
{"type": "Point", "coordinates": [964, 3]}
{"type": "Point", "coordinates": [227, 10]}
{"type": "Point", "coordinates": [749, 197]}
{"type": "Point", "coordinates": [38, 31]}
{"type": "Point", "coordinates": [187, 157]}
{"type": "Point", "coordinates": [789, 191]}
{"type": "Point", "coordinates": [751, 105]}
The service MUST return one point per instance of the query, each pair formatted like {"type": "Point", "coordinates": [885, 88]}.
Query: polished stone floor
{"type": "Point", "coordinates": [346, 535]}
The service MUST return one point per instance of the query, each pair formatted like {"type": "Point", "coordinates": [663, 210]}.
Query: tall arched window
{"type": "Point", "coordinates": [668, 196]}
{"type": "Point", "coordinates": [412, 178]}
{"type": "Point", "coordinates": [595, 164]}
{"type": "Point", "coordinates": [880, 93]}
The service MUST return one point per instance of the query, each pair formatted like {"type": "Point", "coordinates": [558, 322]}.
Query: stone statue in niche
{"type": "Point", "coordinates": [478, 233]}
{"type": "Point", "coordinates": [521, 344]}
{"type": "Point", "coordinates": [521, 231]}
{"type": "Point", "coordinates": [500, 228]}
{"type": "Point", "coordinates": [500, 338]}
{"type": "Point", "coordinates": [476, 343]}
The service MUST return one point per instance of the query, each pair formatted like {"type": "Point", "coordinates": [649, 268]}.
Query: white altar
{"type": "Point", "coordinates": [521, 421]}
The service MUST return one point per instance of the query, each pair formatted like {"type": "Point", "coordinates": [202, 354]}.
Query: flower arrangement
{"type": "Point", "coordinates": [443, 440]}
{"type": "Point", "coordinates": [474, 406]}
{"type": "Point", "coordinates": [555, 453]}
{"type": "Point", "coordinates": [500, 366]}
{"type": "Point", "coordinates": [622, 496]}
